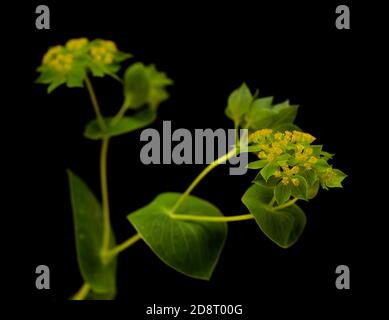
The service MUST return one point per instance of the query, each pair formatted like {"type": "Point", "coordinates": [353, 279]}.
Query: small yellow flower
{"type": "Point", "coordinates": [288, 135]}
{"type": "Point", "coordinates": [51, 54]}
{"type": "Point", "coordinates": [308, 151]}
{"type": "Point", "coordinates": [262, 155]}
{"type": "Point", "coordinates": [306, 137]}
{"type": "Point", "coordinates": [277, 173]}
{"type": "Point", "coordinates": [278, 136]}
{"type": "Point", "coordinates": [294, 170]}
{"type": "Point", "coordinates": [110, 45]}
{"type": "Point", "coordinates": [285, 180]}
{"type": "Point", "coordinates": [76, 44]}
{"type": "Point", "coordinates": [61, 62]}
{"type": "Point", "coordinates": [295, 181]}
{"type": "Point", "coordinates": [307, 165]}
{"type": "Point", "coordinates": [312, 160]}
{"type": "Point", "coordinates": [103, 51]}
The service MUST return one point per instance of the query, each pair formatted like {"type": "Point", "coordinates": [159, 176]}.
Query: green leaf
{"type": "Point", "coordinates": [258, 118]}
{"type": "Point", "coordinates": [259, 164]}
{"type": "Point", "coordinates": [335, 179]}
{"type": "Point", "coordinates": [313, 190]}
{"type": "Point", "coordinates": [287, 127]}
{"type": "Point", "coordinates": [190, 247]}
{"type": "Point", "coordinates": [313, 184]}
{"type": "Point", "coordinates": [136, 86]}
{"type": "Point", "coordinates": [284, 226]}
{"type": "Point", "coordinates": [269, 170]}
{"type": "Point", "coordinates": [254, 148]}
{"type": "Point", "coordinates": [158, 82]}
{"type": "Point", "coordinates": [271, 182]}
{"type": "Point", "coordinates": [125, 125]}
{"type": "Point", "coordinates": [238, 103]}
{"type": "Point", "coordinates": [88, 223]}
{"type": "Point", "coordinates": [100, 296]}
{"type": "Point", "coordinates": [282, 192]}
{"type": "Point", "coordinates": [285, 113]}
{"type": "Point", "coordinates": [301, 190]}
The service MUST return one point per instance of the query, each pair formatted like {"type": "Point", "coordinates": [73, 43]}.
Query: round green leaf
{"type": "Point", "coordinates": [136, 85]}
{"type": "Point", "coordinates": [124, 125]}
{"type": "Point", "coordinates": [88, 225]}
{"type": "Point", "coordinates": [284, 226]}
{"type": "Point", "coordinates": [190, 247]}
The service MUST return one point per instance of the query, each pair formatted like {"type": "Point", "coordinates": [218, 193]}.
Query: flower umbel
{"type": "Point", "coordinates": [292, 164]}
{"type": "Point", "coordinates": [71, 63]}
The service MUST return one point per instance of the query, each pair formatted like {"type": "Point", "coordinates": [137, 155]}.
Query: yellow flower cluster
{"type": "Point", "coordinates": [103, 52]}
{"type": "Point", "coordinates": [76, 44]}
{"type": "Point", "coordinates": [274, 144]}
{"type": "Point", "coordinates": [305, 155]}
{"type": "Point", "coordinates": [287, 175]}
{"type": "Point", "coordinates": [58, 59]}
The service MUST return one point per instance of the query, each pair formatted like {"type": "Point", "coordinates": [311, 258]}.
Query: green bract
{"type": "Point", "coordinates": [186, 233]}
{"type": "Point", "coordinates": [253, 113]}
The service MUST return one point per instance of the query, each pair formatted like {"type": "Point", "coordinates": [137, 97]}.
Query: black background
{"type": "Point", "coordinates": [287, 51]}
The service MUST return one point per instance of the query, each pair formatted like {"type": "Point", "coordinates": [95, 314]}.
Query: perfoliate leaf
{"type": "Point", "coordinates": [136, 86]}
{"type": "Point", "coordinates": [259, 114]}
{"type": "Point", "coordinates": [238, 103]}
{"type": "Point", "coordinates": [284, 226]}
{"type": "Point", "coordinates": [158, 82]}
{"type": "Point", "coordinates": [88, 225]}
{"type": "Point", "coordinates": [190, 247]}
{"type": "Point", "coordinates": [262, 114]}
{"type": "Point", "coordinates": [126, 124]}
{"type": "Point", "coordinates": [145, 84]}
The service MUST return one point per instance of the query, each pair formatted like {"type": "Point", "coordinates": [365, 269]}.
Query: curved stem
{"type": "Point", "coordinates": [285, 205]}
{"type": "Point", "coordinates": [119, 115]}
{"type": "Point", "coordinates": [212, 219]}
{"type": "Point", "coordinates": [95, 104]}
{"type": "Point", "coordinates": [104, 194]}
{"type": "Point", "coordinates": [201, 176]}
{"type": "Point", "coordinates": [124, 245]}
{"type": "Point", "coordinates": [271, 203]}
{"type": "Point", "coordinates": [82, 293]}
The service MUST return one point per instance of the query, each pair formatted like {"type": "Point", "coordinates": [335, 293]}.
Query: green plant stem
{"type": "Point", "coordinates": [202, 174]}
{"type": "Point", "coordinates": [119, 115]}
{"type": "Point", "coordinates": [104, 194]}
{"type": "Point", "coordinates": [285, 205]}
{"type": "Point", "coordinates": [82, 293]}
{"type": "Point", "coordinates": [212, 219]}
{"type": "Point", "coordinates": [103, 169]}
{"type": "Point", "coordinates": [124, 245]}
{"type": "Point", "coordinates": [271, 203]}
{"type": "Point", "coordinates": [95, 104]}
{"type": "Point", "coordinates": [236, 127]}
